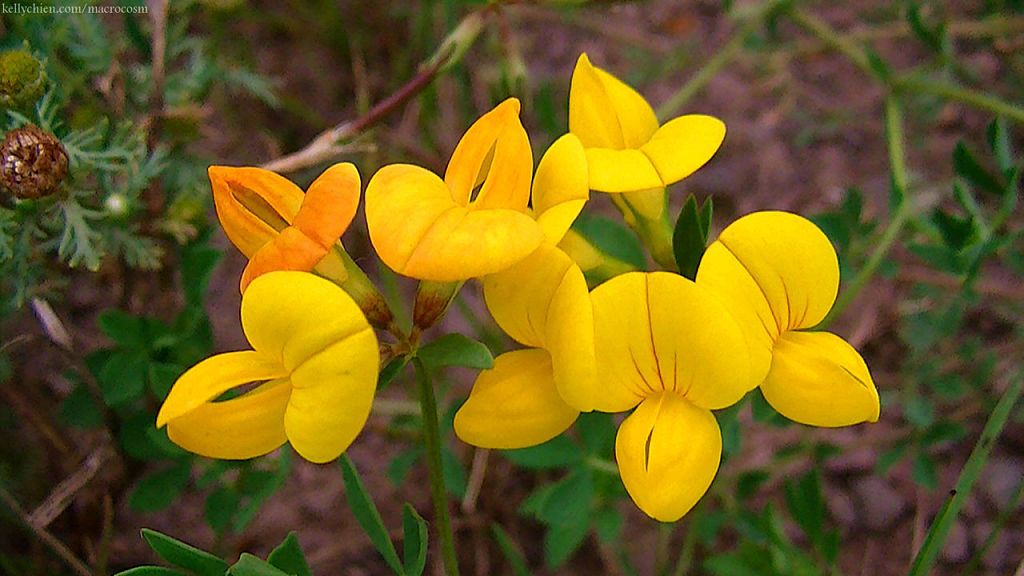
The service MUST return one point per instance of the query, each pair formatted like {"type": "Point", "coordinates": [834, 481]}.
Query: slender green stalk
{"type": "Point", "coordinates": [936, 536]}
{"type": "Point", "coordinates": [661, 549]}
{"type": "Point", "coordinates": [829, 36]}
{"type": "Point", "coordinates": [438, 492]}
{"type": "Point", "coordinates": [748, 21]}
{"type": "Point", "coordinates": [972, 98]}
{"type": "Point", "coordinates": [689, 543]}
{"type": "Point", "coordinates": [905, 209]}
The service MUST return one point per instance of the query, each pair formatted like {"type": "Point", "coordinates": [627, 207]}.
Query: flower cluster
{"type": "Point", "coordinates": [665, 347]}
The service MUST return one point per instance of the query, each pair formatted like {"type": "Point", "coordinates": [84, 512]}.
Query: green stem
{"type": "Point", "coordinates": [725, 55]}
{"type": "Point", "coordinates": [435, 470]}
{"type": "Point", "coordinates": [829, 36]}
{"type": "Point", "coordinates": [904, 210]}
{"type": "Point", "coordinates": [689, 543]}
{"type": "Point", "coordinates": [972, 98]}
{"type": "Point", "coordinates": [936, 536]}
{"type": "Point", "coordinates": [661, 549]}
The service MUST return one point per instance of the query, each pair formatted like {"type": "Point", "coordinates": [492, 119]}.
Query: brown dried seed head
{"type": "Point", "coordinates": [32, 162]}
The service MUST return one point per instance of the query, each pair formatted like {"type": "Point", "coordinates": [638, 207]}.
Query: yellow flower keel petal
{"type": "Point", "coordinates": [668, 452]}
{"type": "Point", "coordinates": [818, 379]}
{"type": "Point", "coordinates": [514, 404]}
{"type": "Point", "coordinates": [236, 429]}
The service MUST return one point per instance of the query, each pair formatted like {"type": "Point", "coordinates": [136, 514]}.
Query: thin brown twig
{"type": "Point", "coordinates": [65, 553]}
{"type": "Point", "coordinates": [64, 493]}
{"type": "Point", "coordinates": [330, 143]}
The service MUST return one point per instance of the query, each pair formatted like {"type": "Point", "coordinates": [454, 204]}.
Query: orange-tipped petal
{"type": "Point", "coordinates": [329, 205]}
{"type": "Point", "coordinates": [253, 204]}
{"type": "Point", "coordinates": [495, 151]}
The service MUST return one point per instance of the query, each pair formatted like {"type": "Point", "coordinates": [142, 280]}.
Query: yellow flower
{"type": "Point", "coordinates": [446, 230]}
{"type": "Point", "coordinates": [629, 153]}
{"type": "Point", "coordinates": [315, 360]}
{"type": "Point", "coordinates": [780, 275]}
{"type": "Point", "coordinates": [531, 396]}
{"type": "Point", "coordinates": [276, 226]}
{"type": "Point", "coordinates": [669, 347]}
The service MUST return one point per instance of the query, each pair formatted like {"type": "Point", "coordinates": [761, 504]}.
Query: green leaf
{"type": "Point", "coordinates": [150, 571]}
{"type": "Point", "coordinates": [186, 557]}
{"type": "Point", "coordinates": [220, 508]}
{"type": "Point", "coordinates": [971, 170]}
{"type": "Point", "coordinates": [249, 565]}
{"type": "Point", "coordinates": [402, 463]}
{"type": "Point", "coordinates": [956, 232]}
{"type": "Point", "coordinates": [455, 349]}
{"type": "Point", "coordinates": [612, 238]}
{"type": "Point", "coordinates": [999, 143]}
{"type": "Point", "coordinates": [453, 472]}
{"type": "Point", "coordinates": [122, 377]}
{"type": "Point", "coordinates": [608, 525]}
{"type": "Point", "coordinates": [512, 553]}
{"type": "Point", "coordinates": [558, 452]}
{"type": "Point", "coordinates": [288, 556]}
{"type": "Point", "coordinates": [689, 239]}
{"type": "Point", "coordinates": [923, 471]}
{"type": "Point", "coordinates": [597, 431]}
{"type": "Point", "coordinates": [141, 439]}
{"type": "Point", "coordinates": [366, 514]}
{"type": "Point", "coordinates": [932, 37]}
{"type": "Point", "coordinates": [806, 505]}
{"type": "Point", "coordinates": [124, 329]}
{"type": "Point", "coordinates": [259, 485]}
{"type": "Point", "coordinates": [570, 499]}
{"type": "Point", "coordinates": [157, 491]}
{"type": "Point", "coordinates": [81, 409]}
{"type": "Point", "coordinates": [162, 376]}
{"type": "Point", "coordinates": [562, 541]}
{"type": "Point", "coordinates": [197, 265]}
{"type": "Point", "coordinates": [414, 542]}
{"type": "Point", "coordinates": [918, 411]}
{"type": "Point", "coordinates": [390, 371]}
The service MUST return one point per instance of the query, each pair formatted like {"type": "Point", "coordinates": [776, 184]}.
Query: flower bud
{"type": "Point", "coordinates": [32, 162]}
{"type": "Point", "coordinates": [22, 79]}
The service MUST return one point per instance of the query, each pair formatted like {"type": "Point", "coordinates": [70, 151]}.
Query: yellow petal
{"type": "Point", "coordinates": [291, 316]}
{"type": "Point", "coordinates": [543, 302]}
{"type": "Point", "coordinates": [466, 244]}
{"type": "Point", "coordinates": [621, 170]}
{"type": "Point", "coordinates": [792, 262]}
{"type": "Point", "coordinates": [606, 113]}
{"type": "Point", "coordinates": [212, 377]}
{"type": "Point", "coordinates": [668, 452]}
{"type": "Point", "coordinates": [329, 205]}
{"type": "Point", "coordinates": [660, 331]}
{"type": "Point", "coordinates": [253, 204]}
{"type": "Point", "coordinates": [419, 231]}
{"type": "Point", "coordinates": [331, 397]}
{"type": "Point", "coordinates": [778, 272]}
{"type": "Point", "coordinates": [244, 427]}
{"type": "Point", "coordinates": [818, 379]}
{"type": "Point", "coordinates": [726, 276]}
{"type": "Point", "coordinates": [560, 187]}
{"type": "Point", "coordinates": [683, 145]}
{"type": "Point", "coordinates": [514, 404]}
{"type": "Point", "coordinates": [495, 151]}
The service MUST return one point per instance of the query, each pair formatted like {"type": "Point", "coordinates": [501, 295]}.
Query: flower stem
{"type": "Point", "coordinates": [972, 98]}
{"type": "Point", "coordinates": [438, 492]}
{"type": "Point", "coordinates": [904, 207]}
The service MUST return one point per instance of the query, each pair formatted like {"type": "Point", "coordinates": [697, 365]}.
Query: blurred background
{"type": "Point", "coordinates": [893, 125]}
